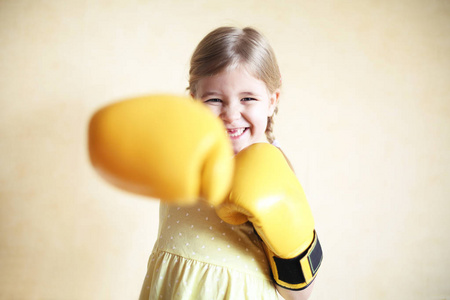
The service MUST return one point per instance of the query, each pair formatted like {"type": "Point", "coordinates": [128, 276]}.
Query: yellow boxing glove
{"type": "Point", "coordinates": [266, 192]}
{"type": "Point", "coordinates": [162, 146]}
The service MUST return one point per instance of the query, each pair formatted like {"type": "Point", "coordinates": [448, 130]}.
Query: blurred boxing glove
{"type": "Point", "coordinates": [266, 192]}
{"type": "Point", "coordinates": [162, 146]}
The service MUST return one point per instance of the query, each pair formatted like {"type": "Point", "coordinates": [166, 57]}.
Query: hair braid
{"type": "Point", "coordinates": [269, 129]}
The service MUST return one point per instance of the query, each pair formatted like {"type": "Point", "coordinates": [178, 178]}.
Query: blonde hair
{"type": "Point", "coordinates": [228, 47]}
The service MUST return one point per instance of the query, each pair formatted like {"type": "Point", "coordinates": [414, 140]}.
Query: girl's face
{"type": "Point", "coordinates": [242, 102]}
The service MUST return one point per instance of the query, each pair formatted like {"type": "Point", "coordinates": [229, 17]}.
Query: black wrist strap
{"type": "Point", "coordinates": [298, 272]}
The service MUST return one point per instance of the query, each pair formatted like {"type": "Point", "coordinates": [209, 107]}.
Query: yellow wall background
{"type": "Point", "coordinates": [364, 117]}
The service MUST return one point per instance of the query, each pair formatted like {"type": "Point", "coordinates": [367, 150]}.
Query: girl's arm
{"type": "Point", "coordinates": [296, 295]}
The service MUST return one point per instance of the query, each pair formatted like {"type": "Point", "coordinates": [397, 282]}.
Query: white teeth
{"type": "Point", "coordinates": [236, 132]}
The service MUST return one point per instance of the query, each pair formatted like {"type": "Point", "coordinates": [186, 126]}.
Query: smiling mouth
{"type": "Point", "coordinates": [236, 133]}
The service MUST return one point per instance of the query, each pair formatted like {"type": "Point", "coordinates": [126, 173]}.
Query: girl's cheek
{"type": "Point", "coordinates": [214, 109]}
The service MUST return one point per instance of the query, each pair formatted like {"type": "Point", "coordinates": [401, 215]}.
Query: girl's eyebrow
{"type": "Point", "coordinates": [218, 94]}
{"type": "Point", "coordinates": [209, 93]}
{"type": "Point", "coordinates": [248, 94]}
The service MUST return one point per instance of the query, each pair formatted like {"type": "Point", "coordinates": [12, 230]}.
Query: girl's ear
{"type": "Point", "coordinates": [273, 102]}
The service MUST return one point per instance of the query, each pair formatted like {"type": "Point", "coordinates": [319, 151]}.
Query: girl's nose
{"type": "Point", "coordinates": [230, 113]}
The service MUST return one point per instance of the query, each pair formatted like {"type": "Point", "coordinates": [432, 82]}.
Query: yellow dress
{"type": "Point", "coordinates": [198, 256]}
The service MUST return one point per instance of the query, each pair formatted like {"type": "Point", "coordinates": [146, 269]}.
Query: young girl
{"type": "Point", "coordinates": [234, 72]}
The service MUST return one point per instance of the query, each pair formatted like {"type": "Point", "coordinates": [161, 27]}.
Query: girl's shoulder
{"type": "Point", "coordinates": [276, 143]}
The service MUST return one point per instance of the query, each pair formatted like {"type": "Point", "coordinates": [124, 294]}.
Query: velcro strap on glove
{"type": "Point", "coordinates": [296, 273]}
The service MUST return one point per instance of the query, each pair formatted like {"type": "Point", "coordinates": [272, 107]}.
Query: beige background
{"type": "Point", "coordinates": [364, 117]}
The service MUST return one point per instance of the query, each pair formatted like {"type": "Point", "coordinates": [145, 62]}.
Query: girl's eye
{"type": "Point", "coordinates": [213, 101]}
{"type": "Point", "coordinates": [248, 99]}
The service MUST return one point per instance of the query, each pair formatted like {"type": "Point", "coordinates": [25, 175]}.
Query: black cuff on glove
{"type": "Point", "coordinates": [298, 272]}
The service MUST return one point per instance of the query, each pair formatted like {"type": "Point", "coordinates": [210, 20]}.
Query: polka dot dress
{"type": "Point", "coordinates": [198, 256]}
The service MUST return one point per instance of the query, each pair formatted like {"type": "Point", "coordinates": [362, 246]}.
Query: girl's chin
{"type": "Point", "coordinates": [237, 148]}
